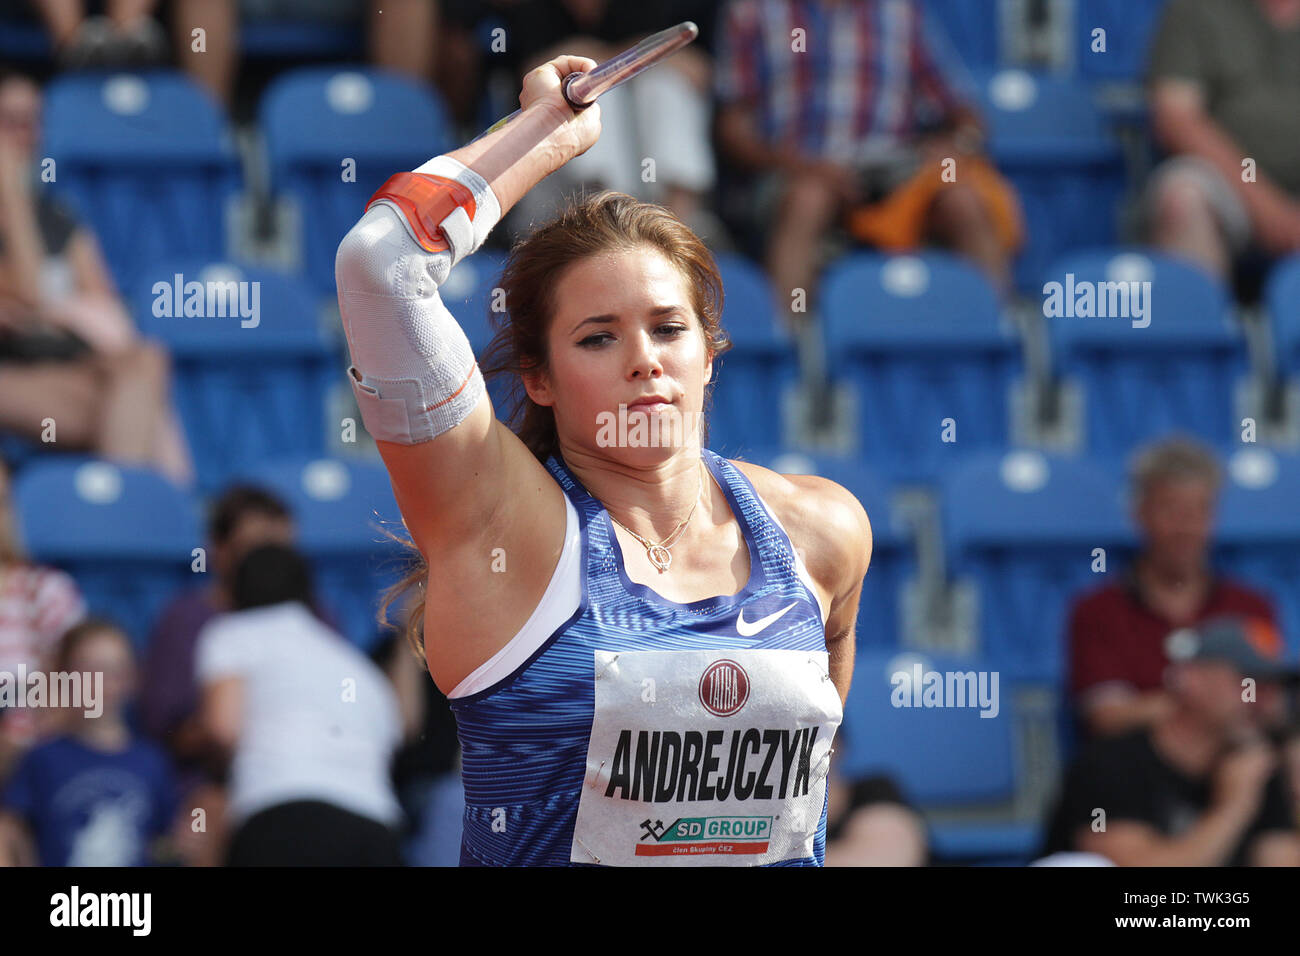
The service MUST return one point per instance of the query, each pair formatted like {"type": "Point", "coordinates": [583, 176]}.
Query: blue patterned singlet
{"type": "Point", "coordinates": [525, 739]}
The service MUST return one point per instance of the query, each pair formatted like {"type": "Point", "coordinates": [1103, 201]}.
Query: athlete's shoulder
{"type": "Point", "coordinates": [825, 520]}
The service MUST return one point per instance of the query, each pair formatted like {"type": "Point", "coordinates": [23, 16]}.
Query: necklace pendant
{"type": "Point", "coordinates": [659, 557]}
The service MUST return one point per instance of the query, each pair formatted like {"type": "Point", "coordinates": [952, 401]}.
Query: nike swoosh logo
{"type": "Point", "coordinates": [749, 629]}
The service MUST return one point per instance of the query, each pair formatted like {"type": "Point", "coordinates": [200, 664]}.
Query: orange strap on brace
{"type": "Point", "coordinates": [426, 200]}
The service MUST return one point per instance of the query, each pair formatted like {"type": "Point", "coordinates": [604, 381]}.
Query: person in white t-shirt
{"type": "Point", "coordinates": [309, 722]}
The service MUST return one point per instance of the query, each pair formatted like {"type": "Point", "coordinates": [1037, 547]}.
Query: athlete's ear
{"type": "Point", "coordinates": [708, 369]}
{"type": "Point", "coordinates": [537, 383]}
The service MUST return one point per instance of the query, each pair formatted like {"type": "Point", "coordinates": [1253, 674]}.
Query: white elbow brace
{"type": "Point", "coordinates": [412, 371]}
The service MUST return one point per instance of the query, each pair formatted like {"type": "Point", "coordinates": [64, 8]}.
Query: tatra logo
{"type": "Point", "coordinates": [750, 628]}
{"type": "Point", "coordinates": [724, 688]}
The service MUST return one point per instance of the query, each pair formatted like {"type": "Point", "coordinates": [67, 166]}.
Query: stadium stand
{"type": "Point", "coordinates": [1048, 138]}
{"type": "Point", "coordinates": [965, 29]}
{"type": "Point", "coordinates": [1129, 26]}
{"type": "Point", "coordinates": [127, 535]}
{"type": "Point", "coordinates": [1282, 302]}
{"type": "Point", "coordinates": [1258, 533]}
{"type": "Point", "coordinates": [1022, 528]}
{"type": "Point", "coordinates": [147, 160]}
{"type": "Point", "coordinates": [940, 756]}
{"type": "Point", "coordinates": [754, 378]}
{"type": "Point", "coordinates": [1137, 382]}
{"type": "Point", "coordinates": [339, 508]}
{"type": "Point", "coordinates": [921, 339]}
{"type": "Point", "coordinates": [247, 388]}
{"type": "Point", "coordinates": [387, 122]}
{"type": "Point", "coordinates": [299, 39]}
{"type": "Point", "coordinates": [468, 294]}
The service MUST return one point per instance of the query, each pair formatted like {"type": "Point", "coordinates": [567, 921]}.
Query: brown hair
{"type": "Point", "coordinates": [81, 632]}
{"type": "Point", "coordinates": [587, 226]}
{"type": "Point", "coordinates": [1177, 458]}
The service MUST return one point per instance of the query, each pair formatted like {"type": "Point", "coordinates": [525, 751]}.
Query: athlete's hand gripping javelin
{"type": "Point", "coordinates": [558, 119]}
{"type": "Point", "coordinates": [543, 89]}
{"type": "Point", "coordinates": [545, 135]}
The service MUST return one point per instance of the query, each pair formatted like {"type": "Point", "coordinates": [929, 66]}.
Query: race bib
{"type": "Point", "coordinates": [715, 758]}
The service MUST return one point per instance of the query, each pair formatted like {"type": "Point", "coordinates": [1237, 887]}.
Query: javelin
{"type": "Point", "coordinates": [581, 89]}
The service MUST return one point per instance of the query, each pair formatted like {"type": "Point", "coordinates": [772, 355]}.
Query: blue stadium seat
{"type": "Point", "coordinates": [316, 119]}
{"type": "Point", "coordinates": [1258, 534]}
{"type": "Point", "coordinates": [893, 561]}
{"type": "Point", "coordinates": [125, 534]}
{"type": "Point", "coordinates": [1282, 300]}
{"type": "Point", "coordinates": [468, 295]}
{"type": "Point", "coordinates": [148, 162]}
{"type": "Point", "coordinates": [17, 451]}
{"type": "Point", "coordinates": [24, 39]}
{"type": "Point", "coordinates": [753, 377]}
{"type": "Point", "coordinates": [245, 393]}
{"type": "Point", "coordinates": [967, 30]}
{"type": "Point", "coordinates": [938, 756]}
{"type": "Point", "coordinates": [1138, 383]}
{"type": "Point", "coordinates": [1130, 28]}
{"type": "Point", "coordinates": [300, 40]}
{"type": "Point", "coordinates": [1022, 528]}
{"type": "Point", "coordinates": [1006, 843]}
{"type": "Point", "coordinates": [339, 509]}
{"type": "Point", "coordinates": [922, 339]}
{"type": "Point", "coordinates": [1052, 143]}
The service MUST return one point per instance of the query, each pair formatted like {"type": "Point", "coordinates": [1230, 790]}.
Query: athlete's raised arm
{"type": "Point", "coordinates": [419, 389]}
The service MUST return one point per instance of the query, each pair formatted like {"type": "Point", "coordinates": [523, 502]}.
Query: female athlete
{"type": "Point", "coordinates": [647, 646]}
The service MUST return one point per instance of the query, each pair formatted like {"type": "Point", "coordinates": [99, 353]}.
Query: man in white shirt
{"type": "Point", "coordinates": [309, 722]}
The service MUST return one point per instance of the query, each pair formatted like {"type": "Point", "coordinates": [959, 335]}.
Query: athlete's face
{"type": "Point", "coordinates": [624, 329]}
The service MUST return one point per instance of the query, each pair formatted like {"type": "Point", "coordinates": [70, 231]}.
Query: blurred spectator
{"type": "Point", "coordinates": [95, 795]}
{"type": "Point", "coordinates": [1291, 764]}
{"type": "Point", "coordinates": [1202, 785]}
{"type": "Point", "coordinates": [1117, 632]}
{"type": "Point", "coordinates": [1224, 90]}
{"type": "Point", "coordinates": [401, 34]}
{"type": "Point", "coordinates": [876, 827]}
{"type": "Point", "coordinates": [853, 114]}
{"type": "Point", "coordinates": [212, 57]}
{"type": "Point", "coordinates": [37, 604]}
{"type": "Point", "coordinates": [242, 518]}
{"type": "Point", "coordinates": [124, 34]}
{"type": "Point", "coordinates": [310, 723]}
{"type": "Point", "coordinates": [426, 770]}
{"type": "Point", "coordinates": [662, 116]}
{"type": "Point", "coordinates": [68, 349]}
{"type": "Point", "coordinates": [462, 60]}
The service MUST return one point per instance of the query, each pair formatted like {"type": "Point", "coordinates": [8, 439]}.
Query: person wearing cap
{"type": "Point", "coordinates": [1116, 633]}
{"type": "Point", "coordinates": [1202, 785]}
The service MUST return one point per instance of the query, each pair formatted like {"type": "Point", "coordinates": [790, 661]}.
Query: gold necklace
{"type": "Point", "coordinates": [658, 553]}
